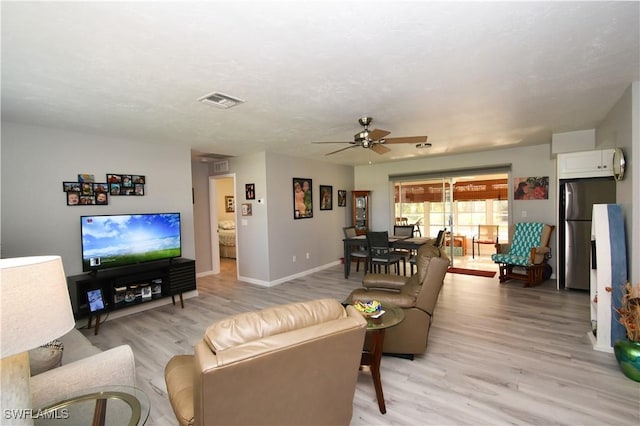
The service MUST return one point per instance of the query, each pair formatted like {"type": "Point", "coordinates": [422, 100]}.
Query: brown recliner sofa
{"type": "Point", "coordinates": [417, 295]}
{"type": "Point", "coordinates": [293, 364]}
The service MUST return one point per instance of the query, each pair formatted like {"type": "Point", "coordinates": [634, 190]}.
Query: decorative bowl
{"type": "Point", "coordinates": [368, 307]}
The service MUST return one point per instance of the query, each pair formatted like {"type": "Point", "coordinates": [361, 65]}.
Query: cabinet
{"type": "Point", "coordinates": [133, 285]}
{"type": "Point", "coordinates": [360, 210]}
{"type": "Point", "coordinates": [586, 164]}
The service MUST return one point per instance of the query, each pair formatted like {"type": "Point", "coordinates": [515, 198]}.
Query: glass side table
{"type": "Point", "coordinates": [393, 315]}
{"type": "Point", "coordinates": [107, 405]}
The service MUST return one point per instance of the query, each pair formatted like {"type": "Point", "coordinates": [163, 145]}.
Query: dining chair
{"type": "Point", "coordinates": [404, 231]}
{"type": "Point", "coordinates": [381, 253]}
{"type": "Point", "coordinates": [416, 228]}
{"type": "Point", "coordinates": [487, 234]}
{"type": "Point", "coordinates": [437, 242]}
{"type": "Point", "coordinates": [359, 253]}
{"type": "Point", "coordinates": [402, 221]}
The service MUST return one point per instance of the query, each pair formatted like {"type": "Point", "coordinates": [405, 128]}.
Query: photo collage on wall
{"type": "Point", "coordinates": [121, 184]}
{"type": "Point", "coordinates": [86, 191]}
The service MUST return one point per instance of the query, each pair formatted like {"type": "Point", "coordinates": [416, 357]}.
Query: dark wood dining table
{"type": "Point", "coordinates": [396, 242]}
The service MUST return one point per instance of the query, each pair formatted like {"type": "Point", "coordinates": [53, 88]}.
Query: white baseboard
{"type": "Point", "coordinates": [273, 283]}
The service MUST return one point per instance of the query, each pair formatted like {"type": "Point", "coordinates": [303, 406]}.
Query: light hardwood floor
{"type": "Point", "coordinates": [498, 353]}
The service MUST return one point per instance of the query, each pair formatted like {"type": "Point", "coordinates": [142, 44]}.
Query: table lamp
{"type": "Point", "coordinates": [35, 308]}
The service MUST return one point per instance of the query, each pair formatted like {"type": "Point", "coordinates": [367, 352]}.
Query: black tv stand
{"type": "Point", "coordinates": [133, 285]}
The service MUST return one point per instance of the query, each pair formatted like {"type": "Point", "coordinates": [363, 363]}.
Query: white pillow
{"type": "Point", "coordinates": [227, 224]}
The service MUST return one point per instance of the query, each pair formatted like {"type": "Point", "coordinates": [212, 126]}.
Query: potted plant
{"type": "Point", "coordinates": [628, 351]}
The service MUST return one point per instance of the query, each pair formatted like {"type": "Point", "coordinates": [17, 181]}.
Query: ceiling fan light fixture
{"type": "Point", "coordinates": [423, 145]}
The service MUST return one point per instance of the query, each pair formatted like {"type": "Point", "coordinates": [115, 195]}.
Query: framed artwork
{"type": "Point", "coordinates": [326, 197]}
{"type": "Point", "coordinates": [342, 198]}
{"type": "Point", "coordinates": [229, 205]}
{"type": "Point", "coordinates": [531, 188]}
{"type": "Point", "coordinates": [246, 209]}
{"type": "Point", "coordinates": [126, 184]}
{"type": "Point", "coordinates": [250, 191]}
{"type": "Point", "coordinates": [302, 198]}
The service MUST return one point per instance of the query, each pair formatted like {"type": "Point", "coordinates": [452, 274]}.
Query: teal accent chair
{"type": "Point", "coordinates": [526, 257]}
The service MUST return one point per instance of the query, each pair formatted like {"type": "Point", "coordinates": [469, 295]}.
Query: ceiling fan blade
{"type": "Point", "coordinates": [377, 134]}
{"type": "Point", "coordinates": [342, 149]}
{"type": "Point", "coordinates": [380, 149]}
{"type": "Point", "coordinates": [334, 142]}
{"type": "Point", "coordinates": [407, 139]}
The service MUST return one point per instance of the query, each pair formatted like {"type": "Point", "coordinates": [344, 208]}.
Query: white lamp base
{"type": "Point", "coordinates": [15, 408]}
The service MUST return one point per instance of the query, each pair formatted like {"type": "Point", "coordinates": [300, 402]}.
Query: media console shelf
{"type": "Point", "coordinates": [133, 285]}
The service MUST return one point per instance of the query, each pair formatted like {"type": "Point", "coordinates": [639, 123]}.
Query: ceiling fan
{"type": "Point", "coordinates": [375, 139]}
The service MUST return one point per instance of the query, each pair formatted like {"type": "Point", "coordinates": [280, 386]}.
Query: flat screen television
{"type": "Point", "coordinates": [110, 241]}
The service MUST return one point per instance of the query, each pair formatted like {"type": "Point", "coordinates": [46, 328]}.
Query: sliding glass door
{"type": "Point", "coordinates": [458, 204]}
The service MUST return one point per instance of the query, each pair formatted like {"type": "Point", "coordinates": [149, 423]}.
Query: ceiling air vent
{"type": "Point", "coordinates": [221, 166]}
{"type": "Point", "coordinates": [221, 100]}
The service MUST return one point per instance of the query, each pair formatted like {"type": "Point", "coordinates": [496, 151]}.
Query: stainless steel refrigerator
{"type": "Point", "coordinates": [577, 197]}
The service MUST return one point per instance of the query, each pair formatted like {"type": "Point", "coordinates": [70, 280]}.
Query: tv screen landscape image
{"type": "Point", "coordinates": [110, 241]}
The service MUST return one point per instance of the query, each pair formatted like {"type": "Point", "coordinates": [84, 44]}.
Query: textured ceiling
{"type": "Point", "coordinates": [472, 76]}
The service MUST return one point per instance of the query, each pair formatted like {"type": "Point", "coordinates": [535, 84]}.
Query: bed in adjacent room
{"type": "Point", "coordinates": [227, 238]}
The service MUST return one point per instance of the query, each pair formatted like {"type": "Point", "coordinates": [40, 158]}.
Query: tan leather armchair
{"type": "Point", "coordinates": [417, 295]}
{"type": "Point", "coordinates": [293, 364]}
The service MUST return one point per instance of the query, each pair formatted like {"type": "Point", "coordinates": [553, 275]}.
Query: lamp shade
{"type": "Point", "coordinates": [34, 303]}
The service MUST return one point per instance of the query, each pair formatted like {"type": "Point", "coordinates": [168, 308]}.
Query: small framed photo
{"type": "Point", "coordinates": [100, 187]}
{"type": "Point", "coordinates": [138, 179]}
{"type": "Point", "coordinates": [86, 188]}
{"type": "Point", "coordinates": [114, 188]}
{"type": "Point", "coordinates": [127, 181]}
{"type": "Point", "coordinates": [342, 198]}
{"type": "Point", "coordinates": [96, 302]}
{"type": "Point", "coordinates": [250, 191]}
{"type": "Point", "coordinates": [101, 198]}
{"type": "Point", "coordinates": [326, 197]}
{"type": "Point", "coordinates": [86, 177]}
{"type": "Point", "coordinates": [73, 198]}
{"type": "Point", "coordinates": [87, 200]}
{"type": "Point", "coordinates": [71, 186]}
{"type": "Point", "coordinates": [246, 209]}
{"type": "Point", "coordinates": [145, 291]}
{"type": "Point", "coordinates": [229, 204]}
{"type": "Point", "coordinates": [138, 189]}
{"type": "Point", "coordinates": [112, 178]}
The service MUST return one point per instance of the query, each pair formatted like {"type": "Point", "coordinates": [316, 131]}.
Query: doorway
{"type": "Point", "coordinates": [222, 216]}
{"type": "Point", "coordinates": [457, 203]}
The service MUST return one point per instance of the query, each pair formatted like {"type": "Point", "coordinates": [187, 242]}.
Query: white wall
{"type": "Point", "coordinates": [527, 161]}
{"type": "Point", "coordinates": [252, 231]}
{"type": "Point", "coordinates": [201, 221]}
{"type": "Point", "coordinates": [620, 129]}
{"type": "Point", "coordinates": [35, 162]}
{"type": "Point", "coordinates": [320, 236]}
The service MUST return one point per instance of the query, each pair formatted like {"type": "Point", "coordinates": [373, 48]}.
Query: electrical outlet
{"type": "Point", "coordinates": [294, 258]}
{"type": "Point", "coordinates": [524, 213]}
{"type": "Point", "coordinates": [307, 255]}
